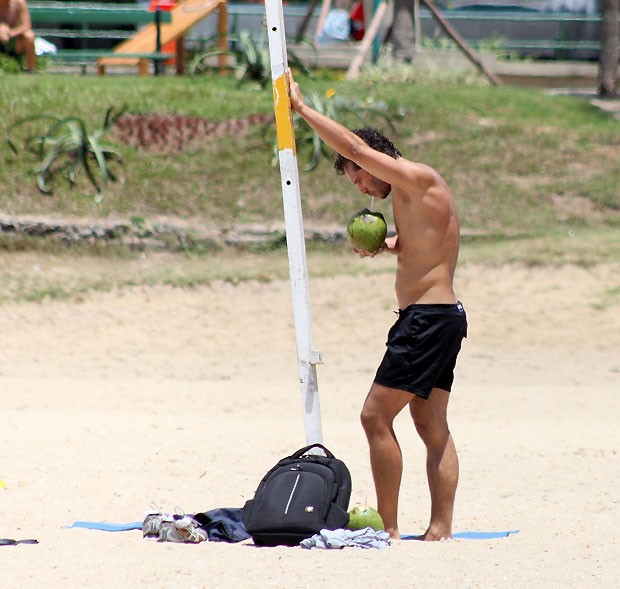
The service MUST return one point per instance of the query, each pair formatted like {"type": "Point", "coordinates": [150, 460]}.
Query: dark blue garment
{"type": "Point", "coordinates": [223, 524]}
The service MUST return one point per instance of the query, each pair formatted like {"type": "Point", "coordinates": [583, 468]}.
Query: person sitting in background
{"type": "Point", "coordinates": [16, 34]}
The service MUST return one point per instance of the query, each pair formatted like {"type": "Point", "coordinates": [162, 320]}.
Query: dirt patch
{"type": "Point", "coordinates": [162, 133]}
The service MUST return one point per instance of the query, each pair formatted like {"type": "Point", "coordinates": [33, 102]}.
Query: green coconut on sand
{"type": "Point", "coordinates": [365, 517]}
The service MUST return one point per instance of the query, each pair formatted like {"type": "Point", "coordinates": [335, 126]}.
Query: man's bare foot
{"type": "Point", "coordinates": [429, 536]}
{"type": "Point", "coordinates": [394, 533]}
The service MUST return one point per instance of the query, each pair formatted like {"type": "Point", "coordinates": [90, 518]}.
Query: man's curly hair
{"type": "Point", "coordinates": [372, 138]}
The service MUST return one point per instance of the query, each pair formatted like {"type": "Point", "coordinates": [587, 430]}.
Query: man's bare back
{"type": "Point", "coordinates": [428, 232]}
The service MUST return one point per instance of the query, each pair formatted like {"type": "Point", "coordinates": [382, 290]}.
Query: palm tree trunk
{"type": "Point", "coordinates": [610, 53]}
{"type": "Point", "coordinates": [402, 33]}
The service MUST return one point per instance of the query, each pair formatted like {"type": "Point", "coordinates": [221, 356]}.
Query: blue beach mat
{"type": "Point", "coordinates": [124, 527]}
{"type": "Point", "coordinates": [107, 527]}
{"type": "Point", "coordinates": [470, 535]}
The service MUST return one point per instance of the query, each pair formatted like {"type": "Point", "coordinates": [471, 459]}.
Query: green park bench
{"type": "Point", "coordinates": [92, 22]}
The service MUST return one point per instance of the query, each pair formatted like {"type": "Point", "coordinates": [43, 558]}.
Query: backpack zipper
{"type": "Point", "coordinates": [290, 497]}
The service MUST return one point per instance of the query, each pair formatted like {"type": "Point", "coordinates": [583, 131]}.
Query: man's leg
{"type": "Point", "coordinates": [442, 465]}
{"type": "Point", "coordinates": [25, 44]}
{"type": "Point", "coordinates": [382, 405]}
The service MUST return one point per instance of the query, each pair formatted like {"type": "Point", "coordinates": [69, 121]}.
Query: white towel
{"type": "Point", "coordinates": [365, 538]}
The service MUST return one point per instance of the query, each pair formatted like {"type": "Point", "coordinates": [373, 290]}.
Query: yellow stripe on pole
{"type": "Point", "coordinates": [284, 120]}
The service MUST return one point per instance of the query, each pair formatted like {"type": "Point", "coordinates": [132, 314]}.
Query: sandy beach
{"type": "Point", "coordinates": [162, 398]}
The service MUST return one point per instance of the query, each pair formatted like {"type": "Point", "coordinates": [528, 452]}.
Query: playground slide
{"type": "Point", "coordinates": [184, 16]}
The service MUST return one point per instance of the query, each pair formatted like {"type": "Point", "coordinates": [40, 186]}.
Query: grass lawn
{"type": "Point", "coordinates": [536, 177]}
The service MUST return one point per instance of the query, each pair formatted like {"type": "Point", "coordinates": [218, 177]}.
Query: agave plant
{"type": "Point", "coordinates": [65, 145]}
{"type": "Point", "coordinates": [309, 144]}
{"type": "Point", "coordinates": [251, 57]}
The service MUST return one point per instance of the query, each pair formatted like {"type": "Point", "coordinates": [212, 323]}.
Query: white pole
{"type": "Point", "coordinates": [308, 358]}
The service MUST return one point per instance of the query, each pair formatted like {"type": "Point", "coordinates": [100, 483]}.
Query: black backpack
{"type": "Point", "coordinates": [301, 495]}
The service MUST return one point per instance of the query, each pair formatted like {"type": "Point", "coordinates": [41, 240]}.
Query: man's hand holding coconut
{"type": "Point", "coordinates": [366, 232]}
{"type": "Point", "coordinates": [418, 367]}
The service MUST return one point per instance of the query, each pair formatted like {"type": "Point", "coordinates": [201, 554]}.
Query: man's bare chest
{"type": "Point", "coordinates": [6, 13]}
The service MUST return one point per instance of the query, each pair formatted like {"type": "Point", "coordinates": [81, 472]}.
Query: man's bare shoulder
{"type": "Point", "coordinates": [417, 179]}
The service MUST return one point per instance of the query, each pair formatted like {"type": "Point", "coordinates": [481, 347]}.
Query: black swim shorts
{"type": "Point", "coordinates": [8, 48]}
{"type": "Point", "coordinates": [422, 348]}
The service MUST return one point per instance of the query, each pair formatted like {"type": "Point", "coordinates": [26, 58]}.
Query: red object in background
{"type": "Point", "coordinates": [165, 5]}
{"type": "Point", "coordinates": [358, 22]}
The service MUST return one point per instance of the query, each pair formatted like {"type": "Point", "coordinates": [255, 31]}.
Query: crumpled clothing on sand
{"type": "Point", "coordinates": [365, 538]}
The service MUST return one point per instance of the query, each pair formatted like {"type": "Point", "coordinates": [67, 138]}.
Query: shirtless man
{"type": "Point", "coordinates": [418, 367]}
{"type": "Point", "coordinates": [16, 34]}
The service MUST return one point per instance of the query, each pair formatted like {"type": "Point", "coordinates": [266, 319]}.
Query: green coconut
{"type": "Point", "coordinates": [365, 517]}
{"type": "Point", "coordinates": [367, 230]}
